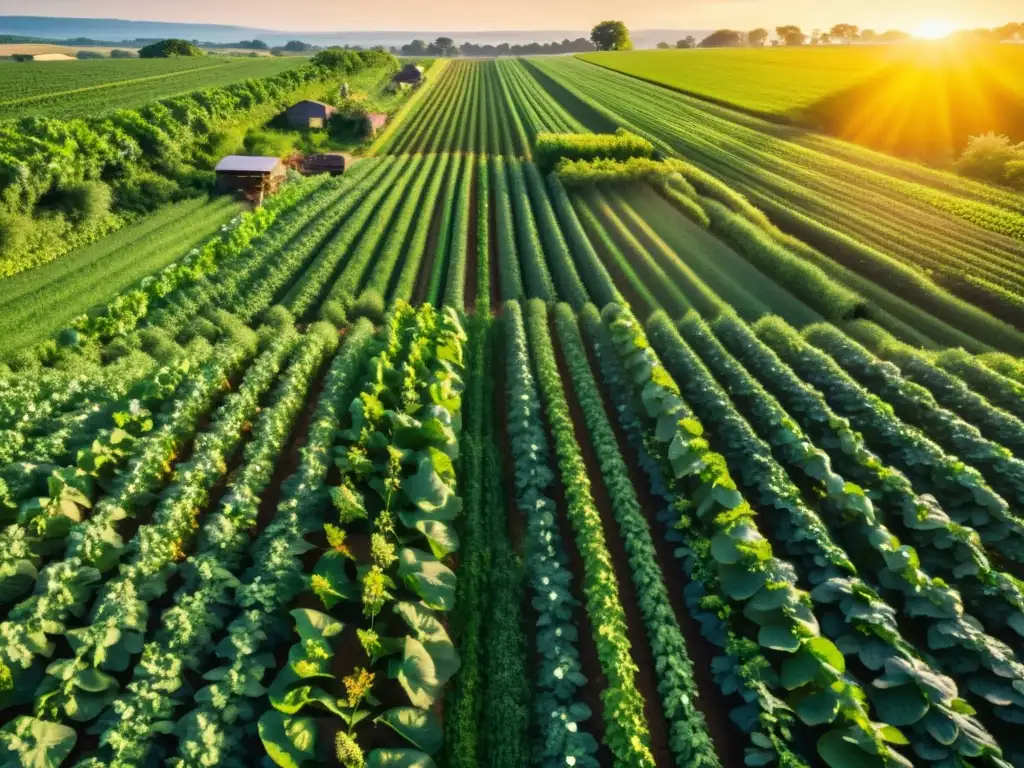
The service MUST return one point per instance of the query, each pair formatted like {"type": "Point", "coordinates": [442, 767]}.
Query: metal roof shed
{"type": "Point", "coordinates": [248, 164]}
{"type": "Point", "coordinates": [250, 175]}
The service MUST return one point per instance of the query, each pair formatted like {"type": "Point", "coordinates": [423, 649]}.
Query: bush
{"type": "Point", "coordinates": [234, 328]}
{"type": "Point", "coordinates": [279, 317]}
{"type": "Point", "coordinates": [22, 57]}
{"type": "Point", "coordinates": [118, 53]}
{"type": "Point", "coordinates": [549, 148]}
{"type": "Point", "coordinates": [89, 55]}
{"type": "Point", "coordinates": [158, 345]}
{"type": "Point", "coordinates": [87, 202]}
{"type": "Point", "coordinates": [14, 232]}
{"type": "Point", "coordinates": [370, 304]}
{"type": "Point", "coordinates": [201, 327]}
{"type": "Point", "coordinates": [24, 360]}
{"type": "Point", "coordinates": [168, 48]}
{"type": "Point", "coordinates": [324, 330]}
{"type": "Point", "coordinates": [144, 190]}
{"type": "Point", "coordinates": [1015, 174]}
{"type": "Point", "coordinates": [578, 173]}
{"type": "Point", "coordinates": [269, 143]}
{"type": "Point", "coordinates": [988, 157]}
{"type": "Point", "coordinates": [122, 346]}
{"type": "Point", "coordinates": [334, 313]}
{"type": "Point", "coordinates": [198, 349]}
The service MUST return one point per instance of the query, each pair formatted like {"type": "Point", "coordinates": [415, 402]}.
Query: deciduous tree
{"type": "Point", "coordinates": [791, 34]}
{"type": "Point", "coordinates": [611, 36]}
{"type": "Point", "coordinates": [723, 38]}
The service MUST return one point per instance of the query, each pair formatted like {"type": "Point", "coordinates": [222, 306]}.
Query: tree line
{"type": "Point", "coordinates": [445, 47]}
{"type": "Point", "coordinates": [793, 35]}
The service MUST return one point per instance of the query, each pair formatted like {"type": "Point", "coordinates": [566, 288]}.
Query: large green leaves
{"type": "Point", "coordinates": [421, 728]}
{"type": "Point", "coordinates": [417, 674]}
{"type": "Point", "coordinates": [288, 740]}
{"type": "Point", "coordinates": [431, 632]}
{"type": "Point", "coordinates": [398, 758]}
{"type": "Point", "coordinates": [425, 575]}
{"type": "Point", "coordinates": [37, 743]}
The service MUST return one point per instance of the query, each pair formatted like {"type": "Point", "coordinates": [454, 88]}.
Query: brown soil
{"type": "Point", "coordinates": [427, 261]}
{"type": "Point", "coordinates": [597, 683]}
{"type": "Point", "coordinates": [492, 250]}
{"type": "Point", "coordinates": [288, 462]}
{"type": "Point", "coordinates": [640, 647]}
{"type": "Point", "coordinates": [469, 299]}
{"type": "Point", "coordinates": [729, 741]}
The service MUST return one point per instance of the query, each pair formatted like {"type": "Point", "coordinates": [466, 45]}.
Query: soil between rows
{"type": "Point", "coordinates": [640, 647]}
{"type": "Point", "coordinates": [729, 741]}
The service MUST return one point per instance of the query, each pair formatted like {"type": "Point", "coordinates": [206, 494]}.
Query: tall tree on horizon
{"type": "Point", "coordinates": [611, 36]}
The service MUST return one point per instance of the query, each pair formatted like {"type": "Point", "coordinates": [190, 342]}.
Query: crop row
{"type": "Point", "coordinates": [397, 493]}
{"type": "Point", "coordinates": [745, 153]}
{"type": "Point", "coordinates": [927, 606]}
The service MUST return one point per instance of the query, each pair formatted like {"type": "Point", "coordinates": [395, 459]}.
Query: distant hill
{"type": "Point", "coordinates": [120, 30]}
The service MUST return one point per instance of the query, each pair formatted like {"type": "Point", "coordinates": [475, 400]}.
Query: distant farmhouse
{"type": "Point", "coordinates": [309, 114]}
{"type": "Point", "coordinates": [410, 74]}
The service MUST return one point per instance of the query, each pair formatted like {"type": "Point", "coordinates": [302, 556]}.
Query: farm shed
{"type": "Point", "coordinates": [249, 175]}
{"type": "Point", "coordinates": [309, 114]}
{"type": "Point", "coordinates": [375, 122]}
{"type": "Point", "coordinates": [410, 74]}
{"type": "Point", "coordinates": [327, 162]}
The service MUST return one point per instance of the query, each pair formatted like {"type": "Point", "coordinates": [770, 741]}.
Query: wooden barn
{"type": "Point", "coordinates": [410, 74]}
{"type": "Point", "coordinates": [252, 176]}
{"type": "Point", "coordinates": [309, 114]}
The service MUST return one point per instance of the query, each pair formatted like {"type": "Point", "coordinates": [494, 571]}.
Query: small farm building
{"type": "Point", "coordinates": [410, 74]}
{"type": "Point", "coordinates": [328, 162]}
{"type": "Point", "coordinates": [250, 175]}
{"type": "Point", "coordinates": [309, 114]}
{"type": "Point", "coordinates": [375, 122]}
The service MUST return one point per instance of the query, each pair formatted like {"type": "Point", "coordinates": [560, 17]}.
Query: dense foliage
{"type": "Point", "coordinates": [143, 157]}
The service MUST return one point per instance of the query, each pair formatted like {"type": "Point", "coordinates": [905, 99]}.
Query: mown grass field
{"type": "Point", "coordinates": [922, 100]}
{"type": "Point", "coordinates": [448, 462]}
{"type": "Point", "coordinates": [36, 304]}
{"type": "Point", "coordinates": [774, 81]}
{"type": "Point", "coordinates": [66, 89]}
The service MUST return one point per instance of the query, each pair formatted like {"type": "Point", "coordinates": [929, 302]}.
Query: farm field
{"type": "Point", "coordinates": [921, 100]}
{"type": "Point", "coordinates": [9, 49]}
{"type": "Point", "coordinates": [67, 89]}
{"type": "Point", "coordinates": [36, 304]}
{"type": "Point", "coordinates": [529, 443]}
{"type": "Point", "coordinates": [773, 81]}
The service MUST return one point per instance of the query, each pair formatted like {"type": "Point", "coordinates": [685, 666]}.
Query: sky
{"type": "Point", "coordinates": [475, 15]}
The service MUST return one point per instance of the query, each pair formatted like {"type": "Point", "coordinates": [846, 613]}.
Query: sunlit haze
{"type": "Point", "coordinates": [933, 29]}
{"type": "Point", "coordinates": [311, 15]}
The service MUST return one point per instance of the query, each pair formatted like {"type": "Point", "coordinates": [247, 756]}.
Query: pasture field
{"type": "Point", "coordinates": [452, 462]}
{"type": "Point", "coordinates": [922, 100]}
{"type": "Point", "coordinates": [771, 81]}
{"type": "Point", "coordinates": [36, 304]}
{"type": "Point", "coordinates": [67, 89]}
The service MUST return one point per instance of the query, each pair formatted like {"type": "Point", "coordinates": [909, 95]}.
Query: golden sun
{"type": "Point", "coordinates": [933, 29]}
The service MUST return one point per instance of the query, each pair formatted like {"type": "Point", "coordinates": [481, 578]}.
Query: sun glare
{"type": "Point", "coordinates": [933, 29]}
